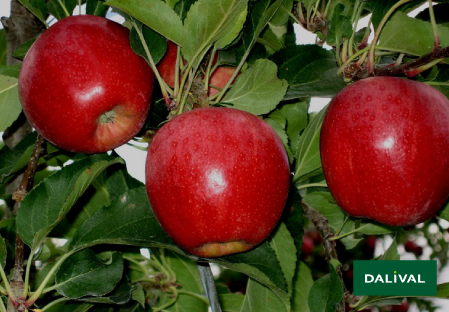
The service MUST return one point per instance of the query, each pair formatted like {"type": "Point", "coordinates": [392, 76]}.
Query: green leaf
{"type": "Point", "coordinates": [207, 22]}
{"type": "Point", "coordinates": [186, 275]}
{"type": "Point", "coordinates": [182, 7]}
{"type": "Point", "coordinates": [284, 247]}
{"type": "Point", "coordinates": [296, 116]}
{"type": "Point", "coordinates": [326, 293]}
{"type": "Point", "coordinates": [309, 70]}
{"type": "Point", "coordinates": [340, 27]}
{"type": "Point", "coordinates": [309, 4]}
{"type": "Point", "coordinates": [391, 253]}
{"type": "Point", "coordinates": [12, 160]}
{"type": "Point", "coordinates": [411, 36]}
{"type": "Point", "coordinates": [295, 221]}
{"type": "Point", "coordinates": [48, 203]}
{"type": "Point", "coordinates": [10, 106]}
{"type": "Point", "coordinates": [381, 7]}
{"type": "Point", "coordinates": [120, 295]}
{"type": "Point", "coordinates": [257, 90]}
{"type": "Point", "coordinates": [37, 7]}
{"type": "Point", "coordinates": [280, 131]}
{"type": "Point", "coordinates": [443, 290]}
{"type": "Point", "coordinates": [85, 274]}
{"type": "Point", "coordinates": [441, 16]}
{"type": "Point", "coordinates": [302, 283]}
{"type": "Point", "coordinates": [95, 7]}
{"type": "Point", "coordinates": [2, 252]}
{"type": "Point", "coordinates": [260, 298]}
{"type": "Point", "coordinates": [156, 14]}
{"type": "Point", "coordinates": [157, 44]}
{"type": "Point", "coordinates": [129, 220]}
{"type": "Point", "coordinates": [308, 152]}
{"type": "Point", "coordinates": [375, 229]}
{"type": "Point", "coordinates": [282, 15]}
{"type": "Point", "coordinates": [60, 8]}
{"type": "Point", "coordinates": [105, 189]}
{"type": "Point", "coordinates": [231, 302]}
{"type": "Point", "coordinates": [234, 32]}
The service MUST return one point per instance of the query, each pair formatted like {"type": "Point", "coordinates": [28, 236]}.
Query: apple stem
{"type": "Point", "coordinates": [434, 26]}
{"type": "Point", "coordinates": [378, 32]}
{"type": "Point", "coordinates": [208, 71]}
{"type": "Point", "coordinates": [208, 281]}
{"type": "Point", "coordinates": [8, 289]}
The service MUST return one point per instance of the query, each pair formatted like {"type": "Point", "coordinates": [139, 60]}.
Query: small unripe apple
{"type": "Point", "coordinates": [384, 150]}
{"type": "Point", "coordinates": [217, 180]}
{"type": "Point", "coordinates": [83, 88]}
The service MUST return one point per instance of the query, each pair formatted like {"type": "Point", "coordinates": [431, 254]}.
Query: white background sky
{"type": "Point", "coordinates": [136, 159]}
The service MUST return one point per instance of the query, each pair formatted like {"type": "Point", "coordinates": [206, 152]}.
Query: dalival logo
{"type": "Point", "coordinates": [395, 278]}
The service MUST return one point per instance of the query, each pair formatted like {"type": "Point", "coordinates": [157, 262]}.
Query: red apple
{"type": "Point", "coordinates": [410, 246]}
{"type": "Point", "coordinates": [384, 150]}
{"type": "Point", "coordinates": [217, 179]}
{"type": "Point", "coordinates": [403, 307]}
{"type": "Point", "coordinates": [217, 81]}
{"type": "Point", "coordinates": [308, 246]}
{"type": "Point", "coordinates": [83, 88]}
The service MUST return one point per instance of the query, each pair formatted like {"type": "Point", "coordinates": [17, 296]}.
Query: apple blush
{"type": "Point", "coordinates": [385, 150]}
{"type": "Point", "coordinates": [217, 180]}
{"type": "Point", "coordinates": [83, 88]}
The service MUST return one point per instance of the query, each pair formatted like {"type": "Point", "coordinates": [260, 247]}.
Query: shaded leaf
{"type": "Point", "coordinates": [61, 8]}
{"type": "Point", "coordinates": [2, 252]}
{"type": "Point", "coordinates": [297, 117]}
{"type": "Point", "coordinates": [21, 52]}
{"type": "Point", "coordinates": [47, 204]}
{"type": "Point", "coordinates": [231, 302]}
{"type": "Point", "coordinates": [309, 70]}
{"type": "Point", "coordinates": [85, 274]}
{"type": "Point", "coordinates": [282, 15]}
{"type": "Point", "coordinates": [10, 106]}
{"type": "Point", "coordinates": [156, 14]}
{"type": "Point", "coordinates": [182, 7]}
{"type": "Point", "coordinates": [257, 90]}
{"type": "Point", "coordinates": [2, 47]}
{"type": "Point", "coordinates": [260, 298]}
{"type": "Point", "coordinates": [12, 160]}
{"type": "Point", "coordinates": [10, 70]}
{"type": "Point", "coordinates": [326, 293]}
{"type": "Point", "coordinates": [37, 7]}
{"type": "Point", "coordinates": [120, 295]}
{"type": "Point", "coordinates": [95, 7]}
{"type": "Point", "coordinates": [156, 44]}
{"type": "Point", "coordinates": [340, 27]}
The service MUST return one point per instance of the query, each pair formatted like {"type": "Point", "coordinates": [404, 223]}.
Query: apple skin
{"type": "Point", "coordinates": [217, 180]}
{"type": "Point", "coordinates": [384, 149]}
{"type": "Point", "coordinates": [83, 88]}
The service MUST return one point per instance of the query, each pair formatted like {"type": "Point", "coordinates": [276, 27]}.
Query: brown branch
{"type": "Point", "coordinates": [17, 283]}
{"type": "Point", "coordinates": [410, 69]}
{"type": "Point", "coordinates": [320, 223]}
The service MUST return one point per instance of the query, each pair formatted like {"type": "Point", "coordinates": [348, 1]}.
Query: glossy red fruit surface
{"type": "Point", "coordinates": [217, 179]}
{"type": "Point", "coordinates": [83, 88]}
{"type": "Point", "coordinates": [384, 150]}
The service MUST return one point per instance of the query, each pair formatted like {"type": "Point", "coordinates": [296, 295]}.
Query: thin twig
{"type": "Point", "coordinates": [207, 278]}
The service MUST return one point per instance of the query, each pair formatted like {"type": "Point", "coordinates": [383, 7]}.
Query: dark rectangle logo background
{"type": "Point", "coordinates": [395, 277]}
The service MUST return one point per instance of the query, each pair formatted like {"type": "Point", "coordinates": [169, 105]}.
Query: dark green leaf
{"type": "Point", "coordinates": [156, 44]}
{"type": "Point", "coordinates": [21, 52]}
{"type": "Point", "coordinates": [296, 116]}
{"type": "Point", "coordinates": [10, 106]}
{"type": "Point", "coordinates": [308, 152]}
{"type": "Point", "coordinates": [280, 131]}
{"type": "Point", "coordinates": [96, 7]}
{"type": "Point", "coordinates": [282, 15]}
{"type": "Point", "coordinates": [156, 14]}
{"type": "Point", "coordinates": [411, 36]}
{"type": "Point", "coordinates": [260, 298]}
{"type": "Point", "coordinates": [302, 282]}
{"type": "Point", "coordinates": [295, 220]}
{"type": "Point", "coordinates": [231, 302]}
{"type": "Point", "coordinates": [10, 70]}
{"type": "Point", "coordinates": [440, 11]}
{"type": "Point", "coordinates": [182, 7]}
{"type": "Point", "coordinates": [48, 203]}
{"type": "Point", "coordinates": [2, 47]}
{"type": "Point", "coordinates": [120, 295]}
{"type": "Point", "coordinates": [257, 90]}
{"type": "Point", "coordinates": [326, 293]}
{"type": "Point", "coordinates": [61, 8]}
{"type": "Point", "coordinates": [309, 70]}
{"type": "Point", "coordinates": [12, 160]}
{"type": "Point", "coordinates": [85, 274]}
{"type": "Point", "coordinates": [37, 7]}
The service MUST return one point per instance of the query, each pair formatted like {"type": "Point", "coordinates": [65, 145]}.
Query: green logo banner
{"type": "Point", "coordinates": [395, 277]}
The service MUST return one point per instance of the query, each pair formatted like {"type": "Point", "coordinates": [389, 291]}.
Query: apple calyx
{"type": "Point", "coordinates": [107, 117]}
